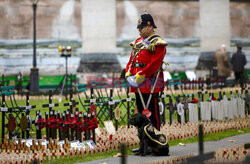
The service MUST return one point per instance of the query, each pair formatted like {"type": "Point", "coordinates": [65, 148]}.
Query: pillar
{"type": "Point", "coordinates": [99, 36]}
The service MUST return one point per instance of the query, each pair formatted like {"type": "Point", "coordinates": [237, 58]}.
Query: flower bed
{"type": "Point", "coordinates": [106, 142]}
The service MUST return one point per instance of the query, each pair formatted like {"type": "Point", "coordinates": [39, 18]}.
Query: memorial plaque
{"type": "Point", "coordinates": [11, 124]}
{"type": "Point", "coordinates": [225, 107]}
{"type": "Point", "coordinates": [117, 113]}
{"type": "Point", "coordinates": [24, 123]}
{"type": "Point", "coordinates": [97, 131]}
{"type": "Point", "coordinates": [230, 109]}
{"type": "Point", "coordinates": [193, 112]}
{"type": "Point", "coordinates": [235, 107]}
{"type": "Point", "coordinates": [215, 105]}
{"type": "Point", "coordinates": [241, 108]}
{"type": "Point", "coordinates": [206, 111]}
{"type": "Point", "coordinates": [209, 111]}
{"type": "Point", "coordinates": [220, 112]}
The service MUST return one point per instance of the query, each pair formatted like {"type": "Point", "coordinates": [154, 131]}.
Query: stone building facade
{"type": "Point", "coordinates": [61, 19]}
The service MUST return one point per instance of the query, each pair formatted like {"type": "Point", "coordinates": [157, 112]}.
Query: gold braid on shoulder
{"type": "Point", "coordinates": [160, 41]}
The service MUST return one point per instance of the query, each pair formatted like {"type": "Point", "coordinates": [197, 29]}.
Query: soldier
{"type": "Point", "coordinates": [147, 55]}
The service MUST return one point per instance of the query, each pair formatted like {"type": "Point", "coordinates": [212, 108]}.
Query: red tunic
{"type": "Point", "coordinates": [153, 60]}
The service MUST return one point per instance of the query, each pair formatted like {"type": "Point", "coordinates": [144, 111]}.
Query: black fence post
{"type": "Point", "coordinates": [55, 125]}
{"type": "Point", "coordinates": [38, 131]}
{"type": "Point", "coordinates": [23, 132]}
{"type": "Point", "coordinates": [47, 129]}
{"type": "Point", "coordinates": [178, 100]}
{"type": "Point", "coordinates": [171, 110]}
{"type": "Point", "coordinates": [27, 114]}
{"type": "Point", "coordinates": [185, 103]}
{"type": "Point", "coordinates": [85, 131]}
{"type": "Point", "coordinates": [128, 106]}
{"type": "Point", "coordinates": [3, 115]}
{"type": "Point", "coordinates": [123, 152]}
{"type": "Point", "coordinates": [80, 133]}
{"type": "Point", "coordinates": [199, 108]}
{"type": "Point", "coordinates": [201, 141]}
{"type": "Point", "coordinates": [93, 131]}
{"type": "Point", "coordinates": [88, 131]}
{"type": "Point", "coordinates": [10, 133]}
{"type": "Point", "coordinates": [72, 129]}
{"type": "Point", "coordinates": [111, 106]}
{"type": "Point", "coordinates": [50, 102]}
{"type": "Point", "coordinates": [65, 126]}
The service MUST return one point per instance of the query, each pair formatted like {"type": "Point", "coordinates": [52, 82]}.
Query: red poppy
{"type": "Point", "coordinates": [194, 100]}
{"type": "Point", "coordinates": [214, 99]}
{"type": "Point", "coordinates": [146, 112]}
{"type": "Point", "coordinates": [110, 137]}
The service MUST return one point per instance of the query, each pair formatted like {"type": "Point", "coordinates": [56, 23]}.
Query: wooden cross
{"type": "Point", "coordinates": [19, 145]}
{"type": "Point", "coordinates": [50, 144]}
{"type": "Point", "coordinates": [40, 147]}
{"type": "Point", "coordinates": [33, 147]}
{"type": "Point", "coordinates": [4, 144]}
{"type": "Point", "coordinates": [55, 145]}
{"type": "Point", "coordinates": [11, 145]}
{"type": "Point", "coordinates": [201, 157]}
{"type": "Point", "coordinates": [50, 105]}
{"type": "Point", "coordinates": [72, 104]}
{"type": "Point", "coordinates": [25, 147]}
{"type": "Point", "coordinates": [66, 145]}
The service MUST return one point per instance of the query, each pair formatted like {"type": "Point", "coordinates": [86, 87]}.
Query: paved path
{"type": "Point", "coordinates": [181, 150]}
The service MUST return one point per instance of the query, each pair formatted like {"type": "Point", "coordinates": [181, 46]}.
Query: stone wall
{"type": "Point", "coordinates": [61, 19]}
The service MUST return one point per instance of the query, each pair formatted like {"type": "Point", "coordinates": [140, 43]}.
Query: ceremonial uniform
{"type": "Point", "coordinates": [145, 61]}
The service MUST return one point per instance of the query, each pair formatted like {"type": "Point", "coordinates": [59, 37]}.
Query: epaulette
{"type": "Point", "coordinates": [157, 40]}
{"type": "Point", "coordinates": [160, 41]}
{"type": "Point", "coordinates": [133, 42]}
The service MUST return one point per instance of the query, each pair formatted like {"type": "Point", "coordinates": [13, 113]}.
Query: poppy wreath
{"type": "Point", "coordinates": [51, 122]}
{"type": "Point", "coordinates": [55, 123]}
{"type": "Point", "coordinates": [72, 123]}
{"type": "Point", "coordinates": [82, 126]}
{"type": "Point", "coordinates": [41, 123]}
{"type": "Point", "coordinates": [92, 124]}
{"type": "Point", "coordinates": [64, 125]}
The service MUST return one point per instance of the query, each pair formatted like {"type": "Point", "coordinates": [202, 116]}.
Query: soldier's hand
{"type": "Point", "coordinates": [139, 78]}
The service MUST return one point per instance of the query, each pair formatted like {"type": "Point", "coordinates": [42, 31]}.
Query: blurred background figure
{"type": "Point", "coordinates": [223, 64]}
{"type": "Point", "coordinates": [239, 61]}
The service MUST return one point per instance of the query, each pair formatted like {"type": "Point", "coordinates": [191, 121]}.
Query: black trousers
{"type": "Point", "coordinates": [239, 77]}
{"type": "Point", "coordinates": [153, 107]}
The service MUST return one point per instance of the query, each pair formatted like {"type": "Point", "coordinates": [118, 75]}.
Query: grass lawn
{"type": "Point", "coordinates": [92, 157]}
